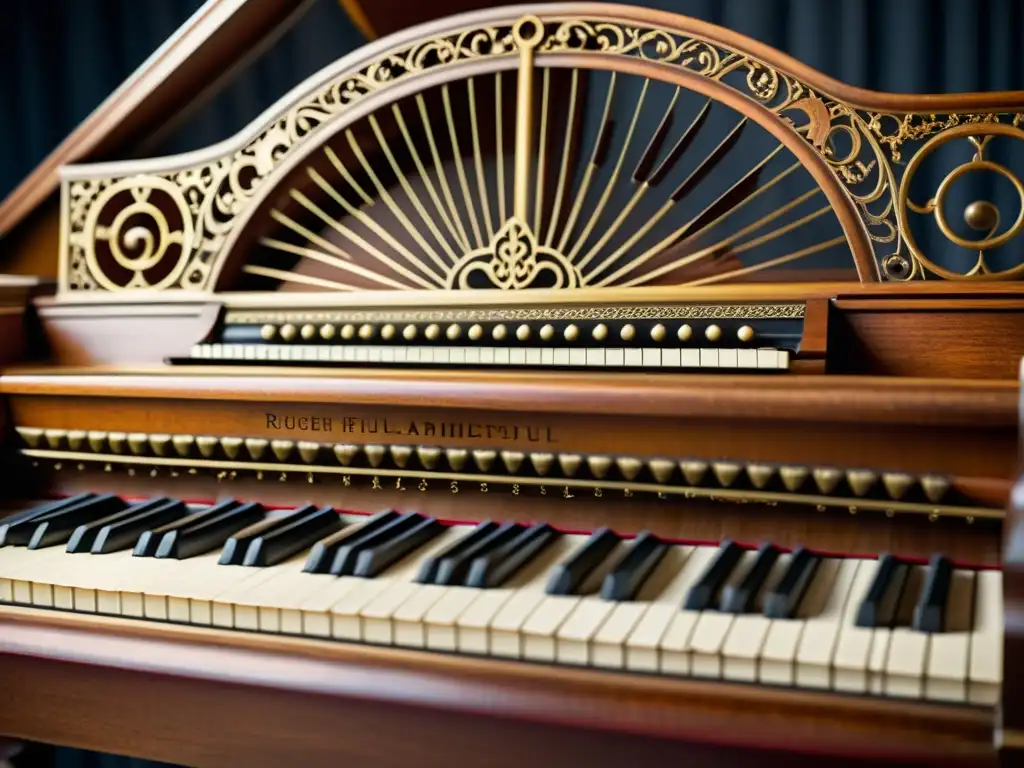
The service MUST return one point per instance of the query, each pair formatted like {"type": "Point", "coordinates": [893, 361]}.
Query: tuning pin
{"type": "Point", "coordinates": [513, 460]}
{"type": "Point", "coordinates": [725, 472]}
{"type": "Point", "coordinates": [484, 459]}
{"type": "Point", "coordinates": [793, 477]}
{"type": "Point", "coordinates": [428, 456]}
{"type": "Point", "coordinates": [570, 463]}
{"type": "Point", "coordinates": [827, 479]}
{"type": "Point", "coordinates": [934, 487]}
{"type": "Point", "coordinates": [345, 453]}
{"type": "Point", "coordinates": [182, 444]}
{"type": "Point", "coordinates": [308, 451]}
{"type": "Point", "coordinates": [629, 468]}
{"type": "Point", "coordinates": [860, 481]}
{"type": "Point", "coordinates": [897, 484]}
{"type": "Point", "coordinates": [374, 454]}
{"type": "Point", "coordinates": [661, 469]}
{"type": "Point", "coordinates": [33, 435]}
{"type": "Point", "coordinates": [694, 471]}
{"type": "Point", "coordinates": [456, 458]}
{"type": "Point", "coordinates": [232, 446]}
{"type": "Point", "coordinates": [760, 474]}
{"type": "Point", "coordinates": [542, 462]}
{"type": "Point", "coordinates": [256, 446]}
{"type": "Point", "coordinates": [400, 455]}
{"type": "Point", "coordinates": [599, 466]}
{"type": "Point", "coordinates": [54, 437]}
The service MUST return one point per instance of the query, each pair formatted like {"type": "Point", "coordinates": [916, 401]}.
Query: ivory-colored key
{"type": "Point", "coordinates": [908, 649]}
{"type": "Point", "coordinates": [713, 627]}
{"type": "Point", "coordinates": [986, 662]}
{"type": "Point", "coordinates": [818, 643]}
{"type": "Point", "coordinates": [777, 663]}
{"type": "Point", "coordinates": [853, 650]}
{"type": "Point", "coordinates": [439, 622]}
{"type": "Point", "coordinates": [223, 600]}
{"type": "Point", "coordinates": [746, 637]}
{"type": "Point", "coordinates": [946, 673]}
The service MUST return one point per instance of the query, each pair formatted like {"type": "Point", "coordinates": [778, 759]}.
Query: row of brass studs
{"type": "Point", "coordinates": [500, 332]}
{"type": "Point", "coordinates": [861, 482]}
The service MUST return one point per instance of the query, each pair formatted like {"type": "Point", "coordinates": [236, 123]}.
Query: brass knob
{"type": "Point", "coordinates": [453, 332]}
{"type": "Point", "coordinates": [523, 332]}
{"type": "Point", "coordinates": [288, 332]}
{"type": "Point", "coordinates": [433, 331]}
{"type": "Point", "coordinates": [476, 332]}
{"type": "Point", "coordinates": [658, 332]}
{"type": "Point", "coordinates": [308, 332]}
{"type": "Point", "coordinates": [387, 332]}
{"type": "Point", "coordinates": [499, 332]}
{"type": "Point", "coordinates": [409, 332]}
{"type": "Point", "coordinates": [366, 331]}
{"type": "Point", "coordinates": [268, 332]}
{"type": "Point", "coordinates": [685, 332]}
{"type": "Point", "coordinates": [628, 332]}
{"type": "Point", "coordinates": [713, 333]}
{"type": "Point", "coordinates": [327, 332]}
{"type": "Point", "coordinates": [745, 333]}
{"type": "Point", "coordinates": [571, 333]}
{"type": "Point", "coordinates": [547, 332]}
{"type": "Point", "coordinates": [600, 332]}
{"type": "Point", "coordinates": [348, 331]}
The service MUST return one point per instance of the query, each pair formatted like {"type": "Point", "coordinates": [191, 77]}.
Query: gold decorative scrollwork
{"type": "Point", "coordinates": [514, 261]}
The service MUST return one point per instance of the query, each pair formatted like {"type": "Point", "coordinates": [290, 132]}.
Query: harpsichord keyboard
{"type": "Point", "coordinates": [881, 626]}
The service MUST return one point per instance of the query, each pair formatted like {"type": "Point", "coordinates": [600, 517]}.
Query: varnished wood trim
{"type": "Point", "coordinates": [797, 398]}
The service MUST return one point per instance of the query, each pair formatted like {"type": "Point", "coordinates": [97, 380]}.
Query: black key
{"type": "Point", "coordinates": [878, 609]}
{"type": "Point", "coordinates": [211, 531]}
{"type": "Point", "coordinates": [321, 556]}
{"type": "Point", "coordinates": [149, 541]}
{"type": "Point", "coordinates": [429, 569]}
{"type": "Point", "coordinates": [124, 534]}
{"type": "Point", "coordinates": [297, 532]}
{"type": "Point", "coordinates": [739, 598]}
{"type": "Point", "coordinates": [497, 567]}
{"type": "Point", "coordinates": [377, 556]}
{"type": "Point", "coordinates": [629, 575]}
{"type": "Point", "coordinates": [784, 600]}
{"type": "Point", "coordinates": [57, 527]}
{"type": "Point", "coordinates": [568, 576]}
{"type": "Point", "coordinates": [702, 595]}
{"type": "Point", "coordinates": [35, 512]}
{"type": "Point", "coordinates": [83, 536]}
{"type": "Point", "coordinates": [346, 557]}
{"type": "Point", "coordinates": [236, 545]}
{"type": "Point", "coordinates": [930, 611]}
{"type": "Point", "coordinates": [454, 568]}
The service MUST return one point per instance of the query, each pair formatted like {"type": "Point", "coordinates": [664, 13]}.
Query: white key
{"type": "Point", "coordinates": [713, 626]}
{"type": "Point", "coordinates": [946, 674]}
{"type": "Point", "coordinates": [986, 664]}
{"type": "Point", "coordinates": [818, 643]}
{"type": "Point", "coordinates": [746, 637]}
{"type": "Point", "coordinates": [852, 657]}
{"type": "Point", "coordinates": [908, 648]}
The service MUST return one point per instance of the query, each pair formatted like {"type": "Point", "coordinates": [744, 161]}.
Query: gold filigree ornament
{"type": "Point", "coordinates": [980, 215]}
{"type": "Point", "coordinates": [513, 261]}
{"type": "Point", "coordinates": [137, 234]}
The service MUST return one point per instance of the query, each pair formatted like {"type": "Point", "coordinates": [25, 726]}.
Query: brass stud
{"type": "Point", "coordinates": [76, 439]}
{"type": "Point", "coordinates": [428, 456]}
{"type": "Point", "coordinates": [327, 332]}
{"type": "Point", "coordinates": [476, 332]}
{"type": "Point", "coordinates": [366, 331]}
{"type": "Point", "coordinates": [348, 331]}
{"type": "Point", "coordinates": [268, 332]}
{"type": "Point", "coordinates": [345, 453]}
{"type": "Point", "coordinates": [400, 455]}
{"type": "Point", "coordinates": [409, 332]}
{"type": "Point", "coordinates": [207, 445]}
{"type": "Point", "coordinates": [600, 332]}
{"type": "Point", "coordinates": [658, 333]}
{"type": "Point", "coordinates": [182, 444]}
{"type": "Point", "coordinates": [897, 484]}
{"type": "Point", "coordinates": [694, 471]}
{"type": "Point", "coordinates": [54, 437]}
{"type": "Point", "coordinates": [861, 481]}
{"type": "Point", "coordinates": [933, 516]}
{"type": "Point", "coordinates": [374, 454]}
{"type": "Point", "coordinates": [713, 332]}
{"type": "Point", "coordinates": [32, 436]}
{"type": "Point", "coordinates": [484, 459]}
{"type": "Point", "coordinates": [388, 332]}
{"type": "Point", "coordinates": [599, 466]}
{"type": "Point", "coordinates": [282, 449]}
{"type": "Point", "coordinates": [456, 458]}
{"type": "Point", "coordinates": [288, 332]}
{"type": "Point", "coordinates": [685, 332]}
{"type": "Point", "coordinates": [661, 469]}
{"type": "Point", "coordinates": [627, 333]}
{"type": "Point", "coordinates": [232, 446]}
{"type": "Point", "coordinates": [433, 331]}
{"type": "Point", "coordinates": [934, 487]}
{"type": "Point", "coordinates": [542, 462]}
{"type": "Point", "coordinates": [547, 332]}
{"type": "Point", "coordinates": [827, 479]}
{"type": "Point", "coordinates": [118, 441]}
{"type": "Point", "coordinates": [308, 331]}
{"type": "Point", "coordinates": [745, 334]}
{"type": "Point", "coordinates": [571, 332]}
{"type": "Point", "coordinates": [499, 332]}
{"type": "Point", "coordinates": [138, 442]}
{"type": "Point", "coordinates": [760, 474]}
{"type": "Point", "coordinates": [256, 446]}
{"type": "Point", "coordinates": [453, 332]}
{"type": "Point", "coordinates": [629, 468]}
{"type": "Point", "coordinates": [793, 477]}
{"type": "Point", "coordinates": [725, 472]}
{"type": "Point", "coordinates": [523, 332]}
{"type": "Point", "coordinates": [513, 460]}
{"type": "Point", "coordinates": [308, 451]}
{"type": "Point", "coordinates": [570, 463]}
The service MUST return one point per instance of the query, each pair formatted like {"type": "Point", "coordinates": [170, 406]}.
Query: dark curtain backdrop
{"type": "Point", "coordinates": [61, 58]}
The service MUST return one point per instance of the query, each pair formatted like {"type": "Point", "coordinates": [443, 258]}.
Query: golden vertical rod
{"type": "Point", "coordinates": [527, 33]}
